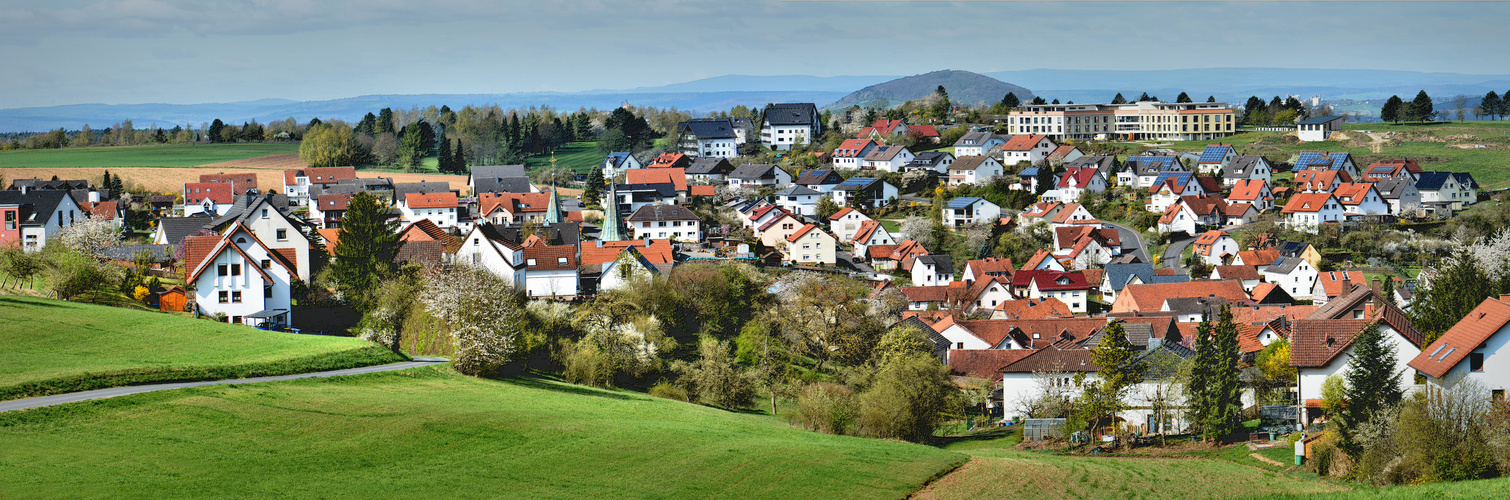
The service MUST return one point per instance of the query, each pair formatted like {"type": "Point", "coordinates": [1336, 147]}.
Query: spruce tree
{"type": "Point", "coordinates": [366, 246]}
{"type": "Point", "coordinates": [1144, 97]}
{"type": "Point", "coordinates": [105, 184]}
{"type": "Point", "coordinates": [1372, 383]}
{"type": "Point", "coordinates": [459, 160]}
{"type": "Point", "coordinates": [1183, 97]}
{"type": "Point", "coordinates": [216, 127]}
{"type": "Point", "coordinates": [1214, 391]}
{"type": "Point", "coordinates": [1420, 108]}
{"type": "Point", "coordinates": [593, 190]}
{"type": "Point", "coordinates": [385, 121]}
{"type": "Point", "coordinates": [443, 158]}
{"type": "Point", "coordinates": [1491, 104]}
{"type": "Point", "coordinates": [1450, 296]}
{"type": "Point", "coordinates": [1119, 99]}
{"type": "Point", "coordinates": [1211, 98]}
{"type": "Point", "coordinates": [1010, 101]}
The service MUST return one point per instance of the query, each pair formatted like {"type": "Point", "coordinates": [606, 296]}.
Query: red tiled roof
{"type": "Point", "coordinates": [1249, 190]}
{"type": "Point", "coordinates": [804, 230]}
{"type": "Point", "coordinates": [1315, 342]}
{"type": "Point", "coordinates": [880, 251]}
{"type": "Point", "coordinates": [924, 130]}
{"type": "Point", "coordinates": [925, 293]}
{"type": "Point", "coordinates": [1331, 281]}
{"type": "Point", "coordinates": [548, 258]}
{"type": "Point", "coordinates": [196, 250]}
{"type": "Point", "coordinates": [514, 203]}
{"type": "Point", "coordinates": [1050, 280]}
{"type": "Point", "coordinates": [1065, 213]}
{"type": "Point", "coordinates": [331, 237]}
{"type": "Point", "coordinates": [221, 193]}
{"type": "Point", "coordinates": [1061, 152]}
{"type": "Point", "coordinates": [599, 252]}
{"type": "Point", "coordinates": [867, 229]}
{"type": "Point", "coordinates": [244, 181]}
{"type": "Point", "coordinates": [1151, 297]}
{"type": "Point", "coordinates": [841, 213]}
{"type": "Point", "coordinates": [851, 148]}
{"type": "Point", "coordinates": [1023, 142]}
{"type": "Point", "coordinates": [1352, 193]}
{"type": "Point", "coordinates": [701, 190]}
{"type": "Point", "coordinates": [1037, 258]}
{"type": "Point", "coordinates": [105, 210]}
{"type": "Point", "coordinates": [993, 331]}
{"type": "Point", "coordinates": [1258, 257]}
{"type": "Point", "coordinates": [1033, 309]}
{"type": "Point", "coordinates": [1468, 334]}
{"type": "Point", "coordinates": [1079, 176]}
{"type": "Point", "coordinates": [1054, 359]}
{"type": "Point", "coordinates": [1237, 272]}
{"type": "Point", "coordinates": [1306, 202]}
{"type": "Point", "coordinates": [983, 363]}
{"type": "Point", "coordinates": [431, 200]}
{"type": "Point", "coordinates": [990, 266]}
{"type": "Point", "coordinates": [676, 176]}
{"type": "Point", "coordinates": [1248, 315]}
{"type": "Point", "coordinates": [1319, 180]}
{"type": "Point", "coordinates": [669, 160]}
{"type": "Point", "coordinates": [328, 202]}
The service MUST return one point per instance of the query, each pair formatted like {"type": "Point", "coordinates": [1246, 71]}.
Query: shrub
{"type": "Point", "coordinates": [825, 407]}
{"type": "Point", "coordinates": [666, 389]}
{"type": "Point", "coordinates": [716, 378]}
{"type": "Point", "coordinates": [485, 313]}
{"type": "Point", "coordinates": [583, 363]}
{"type": "Point", "coordinates": [907, 399]}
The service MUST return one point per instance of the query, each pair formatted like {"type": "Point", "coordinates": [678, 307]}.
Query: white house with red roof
{"type": "Point", "coordinates": [1065, 153]}
{"type": "Point", "coordinates": [887, 158]}
{"type": "Point", "coordinates": [439, 208]}
{"type": "Point", "coordinates": [1254, 192]}
{"type": "Point", "coordinates": [884, 130]}
{"type": "Point", "coordinates": [296, 182]}
{"type": "Point", "coordinates": [1319, 181]}
{"type": "Point", "coordinates": [1473, 350]}
{"type": "Point", "coordinates": [1069, 287]}
{"type": "Point", "coordinates": [762, 215]}
{"type": "Point", "coordinates": [1178, 218]}
{"type": "Point", "coordinates": [1216, 247]}
{"type": "Point", "coordinates": [871, 233]}
{"type": "Point", "coordinates": [1169, 187]}
{"type": "Point", "coordinates": [1031, 148]}
{"type": "Point", "coordinates": [773, 232]}
{"type": "Point", "coordinates": [847, 222]}
{"type": "Point", "coordinates": [1321, 345]}
{"type": "Point", "coordinates": [244, 280]}
{"type": "Point", "coordinates": [487, 248]}
{"type": "Point", "coordinates": [550, 270]}
{"type": "Point", "coordinates": [1077, 181]}
{"type": "Point", "coordinates": [214, 198]}
{"type": "Point", "coordinates": [328, 209]}
{"type": "Point", "coordinates": [1359, 199]}
{"type": "Point", "coordinates": [849, 153]}
{"type": "Point", "coordinates": [1308, 211]}
{"type": "Point", "coordinates": [812, 245]}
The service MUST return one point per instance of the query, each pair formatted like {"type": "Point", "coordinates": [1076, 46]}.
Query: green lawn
{"type": "Point", "coordinates": [166, 155]}
{"type": "Point", "coordinates": [578, 156]}
{"type": "Point", "coordinates": [429, 432]}
{"type": "Point", "coordinates": [1486, 165]}
{"type": "Point", "coordinates": [55, 347]}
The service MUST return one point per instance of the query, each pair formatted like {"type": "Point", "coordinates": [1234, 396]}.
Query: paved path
{"type": "Point", "coordinates": [73, 397]}
{"type": "Point", "coordinates": [1173, 253]}
{"type": "Point", "coordinates": [1128, 235]}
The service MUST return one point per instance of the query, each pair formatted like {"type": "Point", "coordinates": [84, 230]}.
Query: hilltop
{"type": "Point", "coordinates": [964, 87]}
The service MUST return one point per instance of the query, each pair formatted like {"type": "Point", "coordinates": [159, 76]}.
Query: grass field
{"type": "Point", "coordinates": [166, 155]}
{"type": "Point", "coordinates": [578, 156]}
{"type": "Point", "coordinates": [54, 347]}
{"type": "Point", "coordinates": [429, 432]}
{"type": "Point", "coordinates": [1435, 152]}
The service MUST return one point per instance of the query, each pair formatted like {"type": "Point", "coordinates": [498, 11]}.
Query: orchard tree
{"type": "Point", "coordinates": [482, 312]}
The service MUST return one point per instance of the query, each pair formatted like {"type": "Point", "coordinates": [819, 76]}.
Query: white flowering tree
{"type": "Point", "coordinates": [89, 236]}
{"type": "Point", "coordinates": [486, 315]}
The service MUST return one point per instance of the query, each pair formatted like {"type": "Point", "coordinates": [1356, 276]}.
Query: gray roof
{"type": "Point", "coordinates": [43, 201]}
{"type": "Point", "coordinates": [1137, 334]}
{"type": "Point", "coordinates": [754, 171]}
{"type": "Point", "coordinates": [974, 139]}
{"type": "Point", "coordinates": [1393, 187]}
{"type": "Point", "coordinates": [176, 228]}
{"type": "Point", "coordinates": [1152, 165]}
{"type": "Point", "coordinates": [1284, 265]}
{"type": "Point", "coordinates": [822, 176]}
{"type": "Point", "coordinates": [481, 171]}
{"type": "Point", "coordinates": [35, 183]}
{"type": "Point", "coordinates": [963, 202]}
{"type": "Point", "coordinates": [885, 153]}
{"type": "Point", "coordinates": [1196, 305]}
{"type": "Point", "coordinates": [710, 166]}
{"type": "Point", "coordinates": [1119, 274]}
{"type": "Point", "coordinates": [859, 184]}
{"type": "Point", "coordinates": [1317, 120]}
{"type": "Point", "coordinates": [242, 209]}
{"type": "Point", "coordinates": [1102, 163]}
{"type": "Point", "coordinates": [403, 189]}
{"type": "Point", "coordinates": [1163, 361]}
{"type": "Point", "coordinates": [1242, 166]}
{"type": "Point", "coordinates": [708, 128]}
{"type": "Point", "coordinates": [941, 263]}
{"type": "Point", "coordinates": [501, 185]}
{"type": "Point", "coordinates": [662, 213]}
{"type": "Point", "coordinates": [802, 113]}
{"type": "Point", "coordinates": [796, 190]}
{"type": "Point", "coordinates": [560, 233]}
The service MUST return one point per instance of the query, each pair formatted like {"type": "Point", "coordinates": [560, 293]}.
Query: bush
{"type": "Point", "coordinates": [716, 378]}
{"type": "Point", "coordinates": [825, 407]}
{"type": "Point", "coordinates": [583, 363]}
{"type": "Point", "coordinates": [666, 389]}
{"type": "Point", "coordinates": [907, 399]}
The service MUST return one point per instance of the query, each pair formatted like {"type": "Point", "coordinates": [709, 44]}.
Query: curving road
{"type": "Point", "coordinates": [1130, 235]}
{"type": "Point", "coordinates": [74, 397]}
{"type": "Point", "coordinates": [1173, 253]}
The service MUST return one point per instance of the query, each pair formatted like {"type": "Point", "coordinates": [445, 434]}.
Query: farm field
{"type": "Point", "coordinates": [1447, 146]}
{"type": "Point", "coordinates": [430, 431]}
{"type": "Point", "coordinates": [54, 346]}
{"type": "Point", "coordinates": [165, 155]}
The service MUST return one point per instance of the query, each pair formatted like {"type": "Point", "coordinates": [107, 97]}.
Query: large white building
{"type": "Point", "coordinates": [705, 137]}
{"type": "Point", "coordinates": [785, 125]}
{"type": "Point", "coordinates": [1144, 120]}
{"type": "Point", "coordinates": [242, 279]}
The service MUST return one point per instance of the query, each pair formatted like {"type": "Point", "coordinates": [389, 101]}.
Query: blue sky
{"type": "Point", "coordinates": [180, 51]}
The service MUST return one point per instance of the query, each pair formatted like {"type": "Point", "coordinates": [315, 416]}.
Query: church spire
{"type": "Point", "coordinates": [613, 229]}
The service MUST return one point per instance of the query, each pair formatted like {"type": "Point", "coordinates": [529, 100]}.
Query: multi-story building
{"type": "Point", "coordinates": [784, 125]}
{"type": "Point", "coordinates": [707, 137]}
{"type": "Point", "coordinates": [1144, 120]}
{"type": "Point", "coordinates": [660, 222]}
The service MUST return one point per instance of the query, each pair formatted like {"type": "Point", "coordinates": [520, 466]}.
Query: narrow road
{"type": "Point", "coordinates": [74, 397]}
{"type": "Point", "coordinates": [1172, 254]}
{"type": "Point", "coordinates": [1128, 235]}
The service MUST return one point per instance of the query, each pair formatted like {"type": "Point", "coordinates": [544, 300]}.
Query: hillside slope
{"type": "Point", "coordinates": [964, 88]}
{"type": "Point", "coordinates": [430, 432]}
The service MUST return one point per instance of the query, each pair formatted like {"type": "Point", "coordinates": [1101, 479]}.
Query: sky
{"type": "Point", "coordinates": [57, 52]}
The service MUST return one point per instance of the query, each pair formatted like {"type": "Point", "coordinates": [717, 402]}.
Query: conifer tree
{"type": "Point", "coordinates": [443, 159]}
{"type": "Point", "coordinates": [1214, 391]}
{"type": "Point", "coordinates": [1010, 101]}
{"type": "Point", "coordinates": [1450, 296]}
{"type": "Point", "coordinates": [1391, 110]}
{"type": "Point", "coordinates": [1372, 383]}
{"type": "Point", "coordinates": [385, 121]}
{"type": "Point", "coordinates": [1144, 97]}
{"type": "Point", "coordinates": [459, 160]}
{"type": "Point", "coordinates": [1183, 97]}
{"type": "Point", "coordinates": [1117, 371]}
{"type": "Point", "coordinates": [593, 190]}
{"type": "Point", "coordinates": [364, 256]}
{"type": "Point", "coordinates": [1119, 99]}
{"type": "Point", "coordinates": [1491, 104]}
{"type": "Point", "coordinates": [1421, 108]}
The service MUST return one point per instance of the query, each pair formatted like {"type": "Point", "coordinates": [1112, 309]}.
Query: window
{"type": "Point", "coordinates": [282, 235]}
{"type": "Point", "coordinates": [267, 292]}
{"type": "Point", "coordinates": [959, 345]}
{"type": "Point", "coordinates": [221, 270]}
{"type": "Point", "coordinates": [267, 263]}
{"type": "Point", "coordinates": [235, 269]}
{"type": "Point", "coordinates": [236, 296]}
{"type": "Point", "coordinates": [561, 261]}
{"type": "Point", "coordinates": [235, 320]}
{"type": "Point", "coordinates": [1476, 362]}
{"type": "Point", "coordinates": [1497, 395]}
{"type": "Point", "coordinates": [225, 297]}
{"type": "Point", "coordinates": [529, 262]}
{"type": "Point", "coordinates": [264, 213]}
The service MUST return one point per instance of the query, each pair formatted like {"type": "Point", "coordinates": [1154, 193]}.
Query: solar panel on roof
{"type": "Point", "coordinates": [1213, 154]}
{"type": "Point", "coordinates": [1305, 159]}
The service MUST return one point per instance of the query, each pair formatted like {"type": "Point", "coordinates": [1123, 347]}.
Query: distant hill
{"type": "Point", "coordinates": [963, 87]}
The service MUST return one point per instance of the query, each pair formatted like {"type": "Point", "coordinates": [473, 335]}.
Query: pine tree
{"type": "Point", "coordinates": [1215, 388]}
{"type": "Point", "coordinates": [1450, 296]}
{"type": "Point", "coordinates": [1211, 98]}
{"type": "Point", "coordinates": [385, 121]}
{"type": "Point", "coordinates": [1391, 110]}
{"type": "Point", "coordinates": [443, 159]}
{"type": "Point", "coordinates": [1183, 97]}
{"type": "Point", "coordinates": [1056, 101]}
{"type": "Point", "coordinates": [1372, 383]}
{"type": "Point", "coordinates": [459, 160]}
{"type": "Point", "coordinates": [364, 257]}
{"type": "Point", "coordinates": [1144, 97]}
{"type": "Point", "coordinates": [1491, 104]}
{"type": "Point", "coordinates": [368, 125]}
{"type": "Point", "coordinates": [1119, 99]}
{"type": "Point", "coordinates": [1117, 370]}
{"type": "Point", "coordinates": [592, 192]}
{"type": "Point", "coordinates": [1010, 101]}
{"type": "Point", "coordinates": [1420, 108]}
{"type": "Point", "coordinates": [1039, 100]}
{"type": "Point", "coordinates": [105, 184]}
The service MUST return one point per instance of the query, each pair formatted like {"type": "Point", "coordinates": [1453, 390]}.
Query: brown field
{"type": "Point", "coordinates": [170, 180]}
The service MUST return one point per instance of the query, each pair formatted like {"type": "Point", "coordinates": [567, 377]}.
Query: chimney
{"type": "Point", "coordinates": [1368, 310]}
{"type": "Point", "coordinates": [1347, 284]}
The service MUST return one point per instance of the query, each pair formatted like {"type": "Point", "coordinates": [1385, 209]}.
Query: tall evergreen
{"type": "Point", "coordinates": [1491, 104]}
{"type": "Point", "coordinates": [1421, 108]}
{"type": "Point", "coordinates": [1010, 101]}
{"type": "Point", "coordinates": [1214, 390]}
{"type": "Point", "coordinates": [368, 241]}
{"type": "Point", "coordinates": [385, 121]}
{"type": "Point", "coordinates": [459, 160]}
{"type": "Point", "coordinates": [1450, 296]}
{"type": "Point", "coordinates": [216, 127]}
{"type": "Point", "coordinates": [368, 125]}
{"type": "Point", "coordinates": [1183, 97]}
{"type": "Point", "coordinates": [1144, 97]}
{"type": "Point", "coordinates": [1211, 98]}
{"type": "Point", "coordinates": [443, 159]}
{"type": "Point", "coordinates": [105, 184]}
{"type": "Point", "coordinates": [1119, 99]}
{"type": "Point", "coordinates": [1372, 383]}
{"type": "Point", "coordinates": [593, 190]}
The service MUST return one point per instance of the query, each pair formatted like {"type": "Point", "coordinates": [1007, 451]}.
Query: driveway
{"type": "Point", "coordinates": [1173, 253]}
{"type": "Point", "coordinates": [1128, 235]}
{"type": "Point", "coordinates": [74, 397]}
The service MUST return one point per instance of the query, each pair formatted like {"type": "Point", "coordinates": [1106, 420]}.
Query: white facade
{"type": "Point", "coordinates": [443, 217]}
{"type": "Point", "coordinates": [550, 283]}
{"type": "Point", "coordinates": [1311, 379]}
{"type": "Point", "coordinates": [848, 224]}
{"type": "Point", "coordinates": [1298, 282]}
{"type": "Point", "coordinates": [242, 278]}
{"type": "Point", "coordinates": [503, 259]}
{"type": "Point", "coordinates": [1076, 299]}
{"type": "Point", "coordinates": [676, 230]}
{"type": "Point", "coordinates": [783, 137]}
{"type": "Point", "coordinates": [815, 246]}
{"type": "Point", "coordinates": [979, 210]}
{"type": "Point", "coordinates": [925, 273]}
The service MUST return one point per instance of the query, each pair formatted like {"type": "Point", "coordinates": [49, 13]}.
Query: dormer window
{"type": "Point", "coordinates": [529, 262]}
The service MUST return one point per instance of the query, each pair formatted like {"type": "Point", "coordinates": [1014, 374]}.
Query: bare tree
{"type": "Point", "coordinates": [1163, 387]}
{"type": "Point", "coordinates": [1460, 106]}
{"type": "Point", "coordinates": [1051, 394]}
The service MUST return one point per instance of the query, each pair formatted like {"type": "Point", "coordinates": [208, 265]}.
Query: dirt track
{"type": "Point", "coordinates": [170, 180]}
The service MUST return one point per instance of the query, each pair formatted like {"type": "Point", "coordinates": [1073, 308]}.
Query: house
{"type": "Point", "coordinates": [1118, 276]}
{"type": "Point", "coordinates": [613, 265]}
{"type": "Point", "coordinates": [707, 137]}
{"type": "Point", "coordinates": [709, 170]}
{"type": "Point", "coordinates": [1194, 309]}
{"type": "Point", "coordinates": [1049, 308]}
{"type": "Point", "coordinates": [32, 217]}
{"type": "Point", "coordinates": [1247, 168]}
{"type": "Point", "coordinates": [498, 179]}
{"type": "Point", "coordinates": [486, 247]}
{"type": "Point", "coordinates": [670, 160]}
{"type": "Point", "coordinates": [1327, 160]}
{"type": "Point", "coordinates": [1042, 211]}
{"type": "Point", "coordinates": [1246, 274]}
{"type": "Point", "coordinates": [1321, 344]}
{"type": "Point", "coordinates": [1333, 284]}
{"type": "Point", "coordinates": [1106, 165]}
{"type": "Point", "coordinates": [1188, 213]}
{"type": "Point", "coordinates": [978, 143]}
{"type": "Point", "coordinates": [774, 231]}
{"type": "Point", "coordinates": [1473, 351]}
{"type": "Point", "coordinates": [849, 153]}
{"type": "Point", "coordinates": [864, 192]}
{"type": "Point", "coordinates": [439, 208]}
{"type": "Point", "coordinates": [982, 297]}
{"type": "Point", "coordinates": [213, 198]}
{"type": "Point", "coordinates": [1216, 247]}
{"type": "Point", "coordinates": [632, 197]}
{"type": "Point", "coordinates": [925, 298]}
{"type": "Point", "coordinates": [1360, 199]}
{"type": "Point", "coordinates": [511, 209]}
{"type": "Point", "coordinates": [846, 222]}
{"type": "Point", "coordinates": [788, 124]}
{"type": "Point", "coordinates": [1447, 189]}
{"type": "Point", "coordinates": [1390, 169]}
{"type": "Point", "coordinates": [759, 216]}
{"type": "Point", "coordinates": [933, 161]}
{"type": "Point", "coordinates": [887, 158]}
{"type": "Point", "coordinates": [977, 170]}
{"type": "Point", "coordinates": [1400, 193]}
{"type": "Point", "coordinates": [1319, 181]}
{"type": "Point", "coordinates": [822, 181]}
{"type": "Point", "coordinates": [277, 230]}
{"type": "Point", "coordinates": [883, 130]}
{"type": "Point", "coordinates": [812, 245]}
{"type": "Point", "coordinates": [990, 267]}
{"type": "Point", "coordinates": [1066, 154]}
{"type": "Point", "coordinates": [799, 200]}
{"type": "Point", "coordinates": [1169, 187]}
{"type": "Point", "coordinates": [1253, 192]}
{"type": "Point", "coordinates": [617, 163]}
{"type": "Point", "coordinates": [964, 210]}
{"type": "Point", "coordinates": [673, 222]}
{"type": "Point", "coordinates": [1030, 148]}
{"type": "Point", "coordinates": [424, 231]}
{"type": "Point", "coordinates": [1295, 275]}
{"type": "Point", "coordinates": [1069, 287]}
{"type": "Point", "coordinates": [1077, 181]}
{"type": "Point", "coordinates": [675, 176]}
{"type": "Point", "coordinates": [1086, 247]}
{"type": "Point", "coordinates": [871, 233]}
{"type": "Point", "coordinates": [1308, 211]}
{"type": "Point", "coordinates": [1042, 260]}
{"type": "Point", "coordinates": [238, 277]}
{"type": "Point", "coordinates": [328, 210]}
{"type": "Point", "coordinates": [296, 183]}
{"type": "Point", "coordinates": [550, 271]}
{"type": "Point", "coordinates": [1151, 296]}
{"type": "Point", "coordinates": [931, 270]}
{"type": "Point", "coordinates": [756, 175]}
{"type": "Point", "coordinates": [1070, 214]}
{"type": "Point", "coordinates": [1215, 158]}
{"type": "Point", "coordinates": [1318, 128]}
{"type": "Point", "coordinates": [1142, 171]}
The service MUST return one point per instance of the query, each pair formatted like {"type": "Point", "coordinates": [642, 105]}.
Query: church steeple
{"type": "Point", "coordinates": [553, 213]}
{"type": "Point", "coordinates": [613, 229]}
